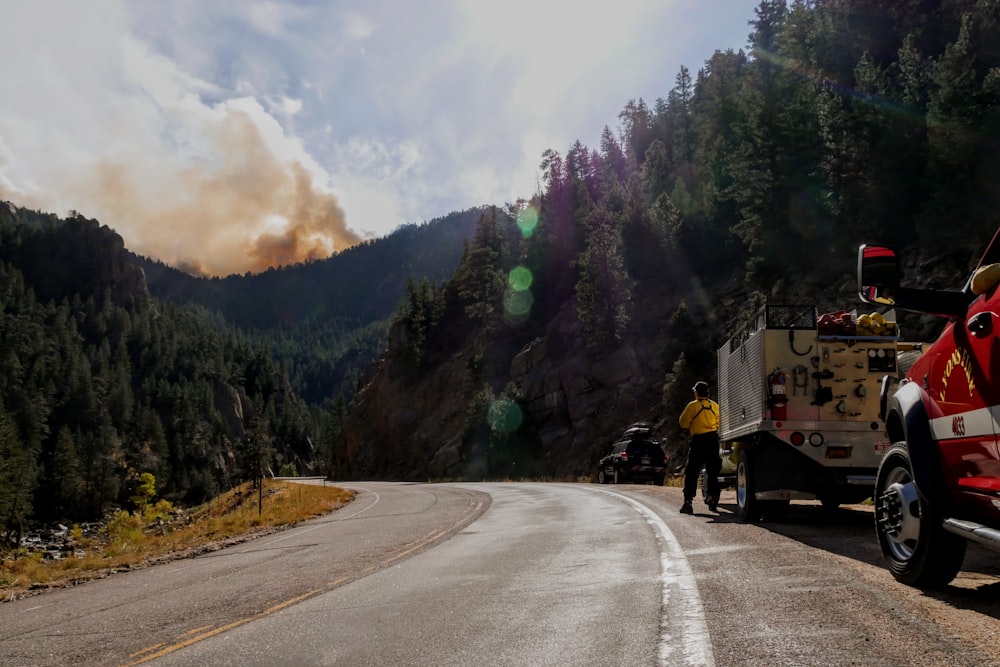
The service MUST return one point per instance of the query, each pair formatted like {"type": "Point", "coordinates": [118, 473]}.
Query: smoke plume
{"type": "Point", "coordinates": [233, 193]}
{"type": "Point", "coordinates": [243, 208]}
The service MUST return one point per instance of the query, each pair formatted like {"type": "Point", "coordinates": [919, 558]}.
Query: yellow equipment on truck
{"type": "Point", "coordinates": [799, 403]}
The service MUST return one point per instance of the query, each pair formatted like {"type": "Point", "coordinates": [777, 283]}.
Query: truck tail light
{"type": "Point", "coordinates": [836, 452]}
{"type": "Point", "coordinates": [797, 439]}
{"type": "Point", "coordinates": [624, 456]}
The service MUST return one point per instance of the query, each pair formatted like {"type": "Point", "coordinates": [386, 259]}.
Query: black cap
{"type": "Point", "coordinates": [701, 388]}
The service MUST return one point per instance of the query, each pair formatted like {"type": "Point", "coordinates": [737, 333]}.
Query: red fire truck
{"type": "Point", "coordinates": [938, 485]}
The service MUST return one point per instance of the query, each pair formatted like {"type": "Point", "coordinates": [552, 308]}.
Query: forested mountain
{"type": "Point", "coordinates": [595, 304]}
{"type": "Point", "coordinates": [102, 383]}
{"type": "Point", "coordinates": [327, 320]}
{"type": "Point", "coordinates": [201, 383]}
{"type": "Point", "coordinates": [756, 177]}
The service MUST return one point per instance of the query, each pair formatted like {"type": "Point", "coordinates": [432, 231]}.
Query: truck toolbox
{"type": "Point", "coordinates": [799, 397]}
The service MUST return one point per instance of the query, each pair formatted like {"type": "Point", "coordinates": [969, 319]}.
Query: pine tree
{"type": "Point", "coordinates": [479, 280]}
{"type": "Point", "coordinates": [63, 475]}
{"type": "Point", "coordinates": [17, 479]}
{"type": "Point", "coordinates": [963, 131]}
{"type": "Point", "coordinates": [604, 291]}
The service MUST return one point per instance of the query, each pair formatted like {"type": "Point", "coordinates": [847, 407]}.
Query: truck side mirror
{"type": "Point", "coordinates": [878, 274]}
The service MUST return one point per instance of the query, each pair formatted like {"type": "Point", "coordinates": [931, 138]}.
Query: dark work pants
{"type": "Point", "coordinates": [704, 452]}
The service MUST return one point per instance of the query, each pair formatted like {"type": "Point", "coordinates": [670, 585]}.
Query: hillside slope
{"type": "Point", "coordinates": [327, 320]}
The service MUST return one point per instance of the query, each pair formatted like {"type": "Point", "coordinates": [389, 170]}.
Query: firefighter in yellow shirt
{"type": "Point", "coordinates": [701, 419]}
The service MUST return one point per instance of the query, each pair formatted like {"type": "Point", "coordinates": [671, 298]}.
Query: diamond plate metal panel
{"type": "Point", "coordinates": [741, 383]}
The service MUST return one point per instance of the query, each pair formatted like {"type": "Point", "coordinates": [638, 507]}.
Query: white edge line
{"type": "Point", "coordinates": [676, 574]}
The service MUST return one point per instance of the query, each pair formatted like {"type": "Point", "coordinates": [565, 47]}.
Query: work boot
{"type": "Point", "coordinates": [686, 508]}
{"type": "Point", "coordinates": [713, 504]}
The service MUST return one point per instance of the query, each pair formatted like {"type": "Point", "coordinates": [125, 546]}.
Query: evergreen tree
{"type": "Point", "coordinates": [604, 291]}
{"type": "Point", "coordinates": [63, 482]}
{"type": "Point", "coordinates": [333, 439]}
{"type": "Point", "coordinates": [17, 478]}
{"type": "Point", "coordinates": [637, 128]}
{"type": "Point", "coordinates": [479, 280]}
{"type": "Point", "coordinates": [963, 130]}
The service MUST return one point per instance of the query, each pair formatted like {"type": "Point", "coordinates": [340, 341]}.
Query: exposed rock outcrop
{"type": "Point", "coordinates": [575, 402]}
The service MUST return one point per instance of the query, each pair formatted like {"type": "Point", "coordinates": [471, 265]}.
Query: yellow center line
{"type": "Point", "coordinates": [147, 649]}
{"type": "Point", "coordinates": [223, 628]}
{"type": "Point", "coordinates": [391, 559]}
{"type": "Point", "coordinates": [196, 630]}
{"type": "Point", "coordinates": [162, 649]}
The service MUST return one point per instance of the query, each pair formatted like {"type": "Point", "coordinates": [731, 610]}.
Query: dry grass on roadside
{"type": "Point", "coordinates": [129, 540]}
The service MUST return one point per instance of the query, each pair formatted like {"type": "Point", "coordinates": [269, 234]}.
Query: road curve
{"type": "Point", "coordinates": [540, 574]}
{"type": "Point", "coordinates": [134, 617]}
{"type": "Point", "coordinates": [550, 575]}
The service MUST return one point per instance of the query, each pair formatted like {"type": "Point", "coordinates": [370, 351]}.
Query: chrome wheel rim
{"type": "Point", "coordinates": [898, 514]}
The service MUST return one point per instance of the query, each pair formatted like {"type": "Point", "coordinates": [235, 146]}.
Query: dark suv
{"type": "Point", "coordinates": [635, 457]}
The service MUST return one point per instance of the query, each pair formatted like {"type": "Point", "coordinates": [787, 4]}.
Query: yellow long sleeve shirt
{"type": "Point", "coordinates": [700, 416]}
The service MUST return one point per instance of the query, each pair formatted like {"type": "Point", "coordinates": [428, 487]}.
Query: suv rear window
{"type": "Point", "coordinates": [650, 449]}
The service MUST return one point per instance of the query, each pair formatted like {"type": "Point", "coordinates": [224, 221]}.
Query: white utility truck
{"type": "Point", "coordinates": [799, 407]}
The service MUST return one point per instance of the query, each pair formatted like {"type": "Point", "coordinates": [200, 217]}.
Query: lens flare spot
{"type": "Point", "coordinates": [505, 416]}
{"type": "Point", "coordinates": [520, 278]}
{"type": "Point", "coordinates": [527, 220]}
{"type": "Point", "coordinates": [518, 303]}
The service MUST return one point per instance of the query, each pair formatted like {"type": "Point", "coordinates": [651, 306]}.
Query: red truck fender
{"type": "Point", "coordinates": [907, 419]}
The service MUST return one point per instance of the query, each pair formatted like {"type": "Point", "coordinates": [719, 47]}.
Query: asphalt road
{"type": "Point", "coordinates": [522, 574]}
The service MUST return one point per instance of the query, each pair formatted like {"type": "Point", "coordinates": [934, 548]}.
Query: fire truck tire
{"type": "Point", "coordinates": [748, 508]}
{"type": "Point", "coordinates": [918, 550]}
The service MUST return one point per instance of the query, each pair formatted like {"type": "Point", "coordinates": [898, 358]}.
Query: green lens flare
{"type": "Point", "coordinates": [518, 303]}
{"type": "Point", "coordinates": [520, 278]}
{"type": "Point", "coordinates": [527, 220]}
{"type": "Point", "coordinates": [505, 416]}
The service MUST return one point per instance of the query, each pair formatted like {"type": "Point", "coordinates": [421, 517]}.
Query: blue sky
{"type": "Point", "coordinates": [225, 136]}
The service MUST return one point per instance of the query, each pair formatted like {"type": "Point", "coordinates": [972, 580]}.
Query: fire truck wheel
{"type": "Point", "coordinates": [919, 551]}
{"type": "Point", "coordinates": [747, 506]}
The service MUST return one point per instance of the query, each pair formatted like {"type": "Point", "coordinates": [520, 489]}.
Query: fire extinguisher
{"type": "Point", "coordinates": [777, 388]}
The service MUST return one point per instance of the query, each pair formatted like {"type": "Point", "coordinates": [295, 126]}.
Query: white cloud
{"type": "Point", "coordinates": [357, 27]}
{"type": "Point", "coordinates": [284, 106]}
{"type": "Point", "coordinates": [131, 112]}
{"type": "Point", "coordinates": [275, 19]}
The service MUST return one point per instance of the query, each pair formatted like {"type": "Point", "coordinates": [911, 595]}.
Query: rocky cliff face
{"type": "Point", "coordinates": [579, 401]}
{"type": "Point", "coordinates": [575, 404]}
